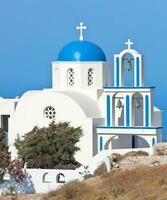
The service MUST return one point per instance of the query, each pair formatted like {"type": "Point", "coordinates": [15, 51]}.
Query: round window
{"type": "Point", "coordinates": [50, 112]}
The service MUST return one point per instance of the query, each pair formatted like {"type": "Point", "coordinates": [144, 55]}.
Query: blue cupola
{"type": "Point", "coordinates": [81, 51]}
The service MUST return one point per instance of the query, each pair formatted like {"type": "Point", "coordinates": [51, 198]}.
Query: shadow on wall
{"type": "Point", "coordinates": [40, 180]}
{"type": "Point", "coordinates": [28, 186]}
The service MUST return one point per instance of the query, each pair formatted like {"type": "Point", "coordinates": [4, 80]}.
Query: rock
{"type": "Point", "coordinates": [113, 165]}
{"type": "Point", "coordinates": [87, 176]}
{"type": "Point", "coordinates": [160, 149]}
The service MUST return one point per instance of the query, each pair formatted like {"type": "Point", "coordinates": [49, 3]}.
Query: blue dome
{"type": "Point", "coordinates": [81, 51]}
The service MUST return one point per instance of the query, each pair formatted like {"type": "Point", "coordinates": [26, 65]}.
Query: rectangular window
{"type": "Point", "coordinates": [4, 122]}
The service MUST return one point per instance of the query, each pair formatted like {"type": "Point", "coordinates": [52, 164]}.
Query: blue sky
{"type": "Point", "coordinates": [32, 33]}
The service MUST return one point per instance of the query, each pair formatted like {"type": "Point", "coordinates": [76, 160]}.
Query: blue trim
{"type": "Point", "coordinates": [153, 141]}
{"type": "Point", "coordinates": [131, 127]}
{"type": "Point", "coordinates": [127, 111]}
{"type": "Point", "coordinates": [101, 143]}
{"type": "Point", "coordinates": [117, 71]}
{"type": "Point", "coordinates": [108, 111]}
{"type": "Point", "coordinates": [126, 87]}
{"type": "Point", "coordinates": [147, 110]}
{"type": "Point", "coordinates": [137, 72]}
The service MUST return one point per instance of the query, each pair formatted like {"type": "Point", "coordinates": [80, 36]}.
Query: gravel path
{"type": "Point", "coordinates": [24, 197]}
{"type": "Point", "coordinates": [133, 162]}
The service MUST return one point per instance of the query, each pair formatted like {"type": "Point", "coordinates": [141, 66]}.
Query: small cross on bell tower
{"type": "Point", "coordinates": [129, 43]}
{"type": "Point", "coordinates": [81, 28]}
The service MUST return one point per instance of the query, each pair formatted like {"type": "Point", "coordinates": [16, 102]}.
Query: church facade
{"type": "Point", "coordinates": [114, 113]}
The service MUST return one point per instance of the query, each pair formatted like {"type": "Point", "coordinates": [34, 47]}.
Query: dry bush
{"type": "Point", "coordinates": [69, 191]}
{"type": "Point", "coordinates": [79, 191]}
{"type": "Point", "coordinates": [118, 157]}
{"type": "Point", "coordinates": [49, 195]}
{"type": "Point", "coordinates": [160, 149]}
{"type": "Point", "coordinates": [23, 197]}
{"type": "Point", "coordinates": [101, 170]}
{"type": "Point", "coordinates": [144, 183]}
{"type": "Point", "coordinates": [160, 152]}
{"type": "Point", "coordinates": [131, 184]}
{"type": "Point", "coordinates": [135, 153]}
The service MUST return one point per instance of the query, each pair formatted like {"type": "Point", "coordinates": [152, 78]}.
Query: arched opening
{"type": "Point", "coordinates": [60, 178]}
{"type": "Point", "coordinates": [108, 144]}
{"type": "Point", "coordinates": [118, 110]}
{"type": "Point", "coordinates": [70, 77]}
{"type": "Point", "coordinates": [91, 77]}
{"type": "Point", "coordinates": [128, 70]}
{"type": "Point", "coordinates": [127, 141]}
{"type": "Point", "coordinates": [137, 109]}
{"type": "Point", "coordinates": [139, 142]}
{"type": "Point", "coordinates": [46, 178]}
{"type": "Point", "coordinates": [123, 141]}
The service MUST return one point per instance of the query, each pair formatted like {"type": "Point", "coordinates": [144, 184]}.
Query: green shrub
{"type": "Point", "coordinates": [4, 155]}
{"type": "Point", "coordinates": [51, 147]}
{"type": "Point", "coordinates": [2, 140]}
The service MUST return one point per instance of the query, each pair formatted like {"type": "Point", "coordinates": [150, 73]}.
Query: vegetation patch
{"type": "Point", "coordinates": [50, 147]}
{"type": "Point", "coordinates": [136, 153]}
{"type": "Point", "coordinates": [144, 183]}
{"type": "Point", "coordinates": [74, 190]}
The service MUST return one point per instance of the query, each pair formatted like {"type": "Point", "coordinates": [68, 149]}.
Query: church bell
{"type": "Point", "coordinates": [138, 103]}
{"type": "Point", "coordinates": [129, 65]}
{"type": "Point", "coordinates": [119, 104]}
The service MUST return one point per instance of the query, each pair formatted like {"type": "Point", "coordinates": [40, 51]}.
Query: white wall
{"type": "Point", "coordinates": [157, 117]}
{"type": "Point", "coordinates": [30, 113]}
{"type": "Point", "coordinates": [102, 71]}
{"type": "Point", "coordinates": [103, 157]}
{"type": "Point", "coordinates": [43, 180]}
{"type": "Point", "coordinates": [50, 182]}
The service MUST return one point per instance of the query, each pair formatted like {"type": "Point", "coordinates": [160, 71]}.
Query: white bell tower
{"type": "Point", "coordinates": [119, 66]}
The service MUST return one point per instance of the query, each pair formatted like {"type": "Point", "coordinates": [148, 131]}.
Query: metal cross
{"type": "Point", "coordinates": [81, 28]}
{"type": "Point", "coordinates": [129, 43]}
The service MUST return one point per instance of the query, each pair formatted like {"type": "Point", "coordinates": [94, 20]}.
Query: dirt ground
{"type": "Point", "coordinates": [24, 197]}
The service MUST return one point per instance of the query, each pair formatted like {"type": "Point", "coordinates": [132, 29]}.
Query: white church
{"type": "Point", "coordinates": [107, 99]}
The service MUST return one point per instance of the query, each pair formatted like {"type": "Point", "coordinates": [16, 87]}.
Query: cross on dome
{"type": "Point", "coordinates": [81, 28]}
{"type": "Point", "coordinates": [129, 43]}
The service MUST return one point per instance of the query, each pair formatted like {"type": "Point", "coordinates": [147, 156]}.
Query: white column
{"type": "Point", "coordinates": [134, 71]}
{"type": "Point", "coordinates": [131, 110]}
{"type": "Point", "coordinates": [117, 72]}
{"type": "Point", "coordinates": [144, 110]}
{"type": "Point", "coordinates": [150, 109]}
{"type": "Point", "coordinates": [141, 70]}
{"type": "Point", "coordinates": [106, 140]}
{"type": "Point", "coordinates": [111, 110]}
{"type": "Point", "coordinates": [124, 110]}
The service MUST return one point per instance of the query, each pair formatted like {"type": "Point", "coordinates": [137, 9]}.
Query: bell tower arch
{"type": "Point", "coordinates": [129, 59]}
